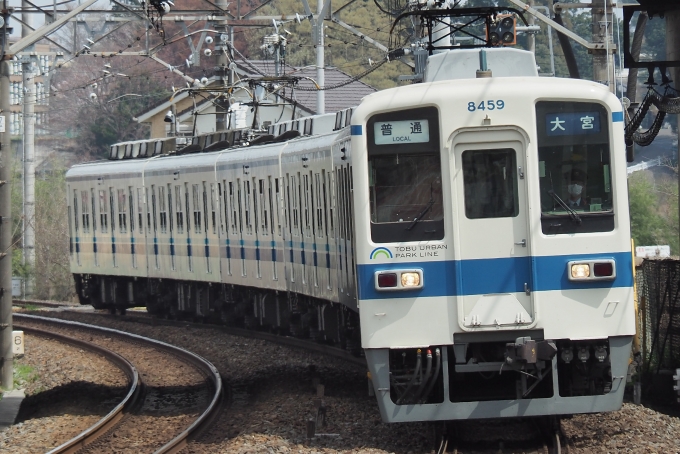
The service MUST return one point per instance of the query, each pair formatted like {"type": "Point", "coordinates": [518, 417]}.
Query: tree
{"type": "Point", "coordinates": [648, 227]}
{"type": "Point", "coordinates": [51, 233]}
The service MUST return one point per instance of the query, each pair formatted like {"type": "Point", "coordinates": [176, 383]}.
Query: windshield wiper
{"type": "Point", "coordinates": [421, 214]}
{"type": "Point", "coordinates": [572, 214]}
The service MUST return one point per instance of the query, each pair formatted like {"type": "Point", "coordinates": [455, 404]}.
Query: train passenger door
{"type": "Point", "coordinates": [492, 229]}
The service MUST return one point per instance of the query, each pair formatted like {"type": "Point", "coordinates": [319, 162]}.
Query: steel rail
{"type": "Point", "coordinates": [103, 425]}
{"type": "Point", "coordinates": [205, 366]}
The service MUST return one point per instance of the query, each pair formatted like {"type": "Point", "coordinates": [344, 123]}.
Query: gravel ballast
{"type": "Point", "coordinates": [273, 397]}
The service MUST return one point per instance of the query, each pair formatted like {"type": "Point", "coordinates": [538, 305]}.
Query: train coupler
{"type": "Point", "coordinates": [528, 351]}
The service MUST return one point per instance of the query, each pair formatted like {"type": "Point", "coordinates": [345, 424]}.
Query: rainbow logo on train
{"type": "Point", "coordinates": [381, 251]}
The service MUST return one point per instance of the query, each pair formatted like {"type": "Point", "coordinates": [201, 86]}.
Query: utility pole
{"type": "Point", "coordinates": [225, 34]}
{"type": "Point", "coordinates": [7, 355]}
{"type": "Point", "coordinates": [320, 57]}
{"type": "Point", "coordinates": [603, 57]}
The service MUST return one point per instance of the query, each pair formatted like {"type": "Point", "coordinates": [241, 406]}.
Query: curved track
{"type": "Point", "coordinates": [135, 395]}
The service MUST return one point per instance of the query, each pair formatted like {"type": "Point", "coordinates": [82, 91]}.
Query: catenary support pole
{"type": "Point", "coordinates": [6, 355]}
{"type": "Point", "coordinates": [320, 58]}
{"type": "Point", "coordinates": [603, 57]}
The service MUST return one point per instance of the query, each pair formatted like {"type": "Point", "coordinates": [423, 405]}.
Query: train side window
{"type": "Point", "coordinates": [170, 223]}
{"type": "Point", "coordinates": [94, 215]}
{"type": "Point", "coordinates": [224, 209]}
{"type": "Point", "coordinates": [255, 207]}
{"type": "Point", "coordinates": [140, 208]}
{"type": "Point", "coordinates": [287, 206]}
{"type": "Point", "coordinates": [574, 155]}
{"type": "Point", "coordinates": [320, 206]}
{"type": "Point", "coordinates": [197, 208]}
{"type": "Point", "coordinates": [205, 208]}
{"type": "Point", "coordinates": [405, 176]}
{"type": "Point", "coordinates": [103, 210]}
{"type": "Point", "coordinates": [75, 210]}
{"type": "Point", "coordinates": [131, 203]}
{"type": "Point", "coordinates": [162, 209]}
{"type": "Point", "coordinates": [264, 209]}
{"type": "Point", "coordinates": [112, 201]}
{"type": "Point", "coordinates": [213, 213]}
{"type": "Point", "coordinates": [305, 195]}
{"type": "Point", "coordinates": [490, 183]}
{"type": "Point", "coordinates": [246, 207]}
{"type": "Point", "coordinates": [331, 204]}
{"type": "Point", "coordinates": [179, 215]}
{"type": "Point", "coordinates": [187, 208]}
{"type": "Point", "coordinates": [240, 205]}
{"type": "Point", "coordinates": [232, 203]}
{"type": "Point", "coordinates": [122, 211]}
{"type": "Point", "coordinates": [276, 209]}
{"type": "Point", "coordinates": [153, 208]}
{"type": "Point", "coordinates": [85, 205]}
{"type": "Point", "coordinates": [295, 196]}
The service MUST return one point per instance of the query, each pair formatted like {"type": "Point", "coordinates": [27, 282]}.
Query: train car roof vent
{"type": "Point", "coordinates": [290, 134]}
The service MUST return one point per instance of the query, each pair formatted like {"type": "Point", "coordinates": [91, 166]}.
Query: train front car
{"type": "Point", "coordinates": [493, 248]}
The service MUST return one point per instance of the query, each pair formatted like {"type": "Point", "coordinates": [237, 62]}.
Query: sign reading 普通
{"type": "Point", "coordinates": [405, 131]}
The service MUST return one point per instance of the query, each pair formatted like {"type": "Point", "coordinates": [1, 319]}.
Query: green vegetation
{"type": "Point", "coordinates": [654, 210]}
{"type": "Point", "coordinates": [51, 234]}
{"type": "Point", "coordinates": [24, 374]}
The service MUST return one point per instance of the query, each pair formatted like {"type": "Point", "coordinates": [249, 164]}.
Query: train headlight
{"type": "Point", "coordinates": [595, 270]}
{"type": "Point", "coordinates": [410, 279]}
{"type": "Point", "coordinates": [580, 271]}
{"type": "Point", "coordinates": [389, 280]}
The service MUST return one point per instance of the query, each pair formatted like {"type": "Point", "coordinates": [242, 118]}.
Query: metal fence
{"type": "Point", "coordinates": [658, 288]}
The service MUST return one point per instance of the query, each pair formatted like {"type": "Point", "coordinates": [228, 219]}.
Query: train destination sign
{"type": "Point", "coordinates": [572, 123]}
{"type": "Point", "coordinates": [401, 132]}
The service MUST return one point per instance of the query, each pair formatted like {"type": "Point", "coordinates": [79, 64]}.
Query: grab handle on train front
{"type": "Point", "coordinates": [522, 243]}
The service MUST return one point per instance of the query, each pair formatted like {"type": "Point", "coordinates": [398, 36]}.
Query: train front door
{"type": "Point", "coordinates": [491, 227]}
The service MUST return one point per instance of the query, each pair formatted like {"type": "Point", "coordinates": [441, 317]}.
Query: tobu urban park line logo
{"type": "Point", "coordinates": [381, 251]}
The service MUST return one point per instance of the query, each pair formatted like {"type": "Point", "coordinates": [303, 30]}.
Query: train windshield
{"type": "Point", "coordinates": [405, 178]}
{"type": "Point", "coordinates": [574, 167]}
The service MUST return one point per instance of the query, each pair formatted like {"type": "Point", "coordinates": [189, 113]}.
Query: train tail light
{"type": "Point", "coordinates": [605, 269]}
{"type": "Point", "coordinates": [398, 280]}
{"type": "Point", "coordinates": [387, 280]}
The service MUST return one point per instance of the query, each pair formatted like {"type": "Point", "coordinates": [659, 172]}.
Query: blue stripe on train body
{"type": "Point", "coordinates": [498, 275]}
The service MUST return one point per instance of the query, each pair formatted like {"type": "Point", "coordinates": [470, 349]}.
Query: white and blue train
{"type": "Point", "coordinates": [470, 234]}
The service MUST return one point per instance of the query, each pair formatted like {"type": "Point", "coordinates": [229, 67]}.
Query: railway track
{"type": "Point", "coordinates": [159, 403]}
{"type": "Point", "coordinates": [499, 436]}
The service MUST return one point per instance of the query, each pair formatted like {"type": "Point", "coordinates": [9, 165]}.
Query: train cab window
{"type": "Point", "coordinates": [405, 178]}
{"type": "Point", "coordinates": [574, 167]}
{"type": "Point", "coordinates": [490, 186]}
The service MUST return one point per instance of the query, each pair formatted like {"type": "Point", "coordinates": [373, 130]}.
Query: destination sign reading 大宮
{"type": "Point", "coordinates": [572, 123]}
{"type": "Point", "coordinates": [401, 132]}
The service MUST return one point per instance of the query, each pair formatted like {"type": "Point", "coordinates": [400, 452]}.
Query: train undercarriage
{"type": "Point", "coordinates": [245, 307]}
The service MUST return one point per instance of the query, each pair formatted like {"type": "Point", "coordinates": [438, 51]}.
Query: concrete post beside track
{"type": "Point", "coordinates": [6, 355]}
